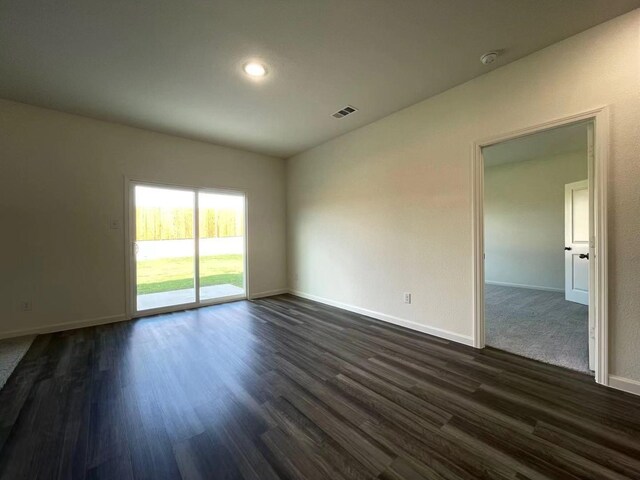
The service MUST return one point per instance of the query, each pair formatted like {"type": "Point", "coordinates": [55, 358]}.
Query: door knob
{"type": "Point", "coordinates": [584, 255]}
{"type": "Point", "coordinates": [567, 248]}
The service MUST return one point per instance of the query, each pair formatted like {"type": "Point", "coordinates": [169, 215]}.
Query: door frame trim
{"type": "Point", "coordinates": [598, 273]}
{"type": "Point", "coordinates": [129, 227]}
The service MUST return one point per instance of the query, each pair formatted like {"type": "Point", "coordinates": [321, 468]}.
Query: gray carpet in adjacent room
{"type": "Point", "coordinates": [11, 352]}
{"type": "Point", "coordinates": [537, 324]}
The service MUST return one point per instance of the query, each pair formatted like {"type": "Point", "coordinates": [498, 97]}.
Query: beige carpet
{"type": "Point", "coordinates": [11, 352]}
{"type": "Point", "coordinates": [538, 324]}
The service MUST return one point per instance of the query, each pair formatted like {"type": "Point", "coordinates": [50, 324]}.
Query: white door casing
{"type": "Point", "coordinates": [578, 252]}
{"type": "Point", "coordinates": [598, 173]}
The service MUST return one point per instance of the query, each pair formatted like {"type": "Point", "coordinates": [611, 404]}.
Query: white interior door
{"type": "Point", "coordinates": [576, 237]}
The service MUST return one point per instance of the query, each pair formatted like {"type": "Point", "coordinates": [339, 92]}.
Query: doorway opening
{"type": "Point", "coordinates": [188, 247]}
{"type": "Point", "coordinates": [540, 243]}
{"type": "Point", "coordinates": [536, 221]}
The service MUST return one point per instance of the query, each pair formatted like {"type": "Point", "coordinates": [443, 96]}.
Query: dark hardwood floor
{"type": "Point", "coordinates": [287, 388]}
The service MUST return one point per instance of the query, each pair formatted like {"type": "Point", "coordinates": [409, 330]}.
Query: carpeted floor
{"type": "Point", "coordinates": [538, 324]}
{"type": "Point", "coordinates": [11, 352]}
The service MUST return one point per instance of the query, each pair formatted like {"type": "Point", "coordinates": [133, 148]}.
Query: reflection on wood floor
{"type": "Point", "coordinates": [287, 388]}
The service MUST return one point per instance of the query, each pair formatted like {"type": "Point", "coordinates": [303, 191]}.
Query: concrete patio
{"type": "Point", "coordinates": [187, 295]}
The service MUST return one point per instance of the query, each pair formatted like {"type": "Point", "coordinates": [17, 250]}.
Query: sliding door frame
{"type": "Point", "coordinates": [598, 273]}
{"type": "Point", "coordinates": [130, 257]}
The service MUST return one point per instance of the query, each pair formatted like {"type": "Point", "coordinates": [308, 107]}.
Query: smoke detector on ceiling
{"type": "Point", "coordinates": [489, 57]}
{"type": "Point", "coordinates": [348, 110]}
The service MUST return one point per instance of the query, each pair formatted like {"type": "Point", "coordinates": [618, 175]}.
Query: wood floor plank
{"type": "Point", "coordinates": [284, 387]}
{"type": "Point", "coordinates": [316, 442]}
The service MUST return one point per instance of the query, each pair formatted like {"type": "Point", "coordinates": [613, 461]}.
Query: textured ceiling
{"type": "Point", "coordinates": [175, 66]}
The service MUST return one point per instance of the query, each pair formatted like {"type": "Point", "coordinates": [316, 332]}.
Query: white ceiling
{"type": "Point", "coordinates": [175, 66]}
{"type": "Point", "coordinates": [557, 141]}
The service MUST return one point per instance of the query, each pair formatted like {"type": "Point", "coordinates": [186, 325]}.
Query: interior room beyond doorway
{"type": "Point", "coordinates": [536, 234]}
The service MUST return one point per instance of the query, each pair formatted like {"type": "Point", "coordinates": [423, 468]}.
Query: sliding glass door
{"type": "Point", "coordinates": [164, 247]}
{"type": "Point", "coordinates": [221, 245]}
{"type": "Point", "coordinates": [188, 247]}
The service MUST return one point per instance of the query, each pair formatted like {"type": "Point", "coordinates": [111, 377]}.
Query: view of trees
{"type": "Point", "coordinates": [177, 223]}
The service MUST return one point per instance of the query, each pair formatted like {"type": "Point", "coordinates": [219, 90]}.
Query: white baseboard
{"type": "Point", "coordinates": [59, 327]}
{"type": "Point", "coordinates": [436, 332]}
{"type": "Point", "coordinates": [520, 285]}
{"type": "Point", "coordinates": [620, 383]}
{"type": "Point", "coordinates": [269, 293]}
{"type": "Point", "coordinates": [624, 384]}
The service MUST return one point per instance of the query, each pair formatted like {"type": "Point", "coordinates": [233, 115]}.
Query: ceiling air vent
{"type": "Point", "coordinates": [348, 110]}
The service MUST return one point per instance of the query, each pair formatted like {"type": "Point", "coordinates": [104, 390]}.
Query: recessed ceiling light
{"type": "Point", "coordinates": [255, 69]}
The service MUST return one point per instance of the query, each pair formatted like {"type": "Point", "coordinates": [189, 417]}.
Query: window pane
{"type": "Point", "coordinates": [221, 245]}
{"type": "Point", "coordinates": [165, 247]}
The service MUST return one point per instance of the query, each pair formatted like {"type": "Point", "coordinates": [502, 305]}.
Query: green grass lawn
{"type": "Point", "coordinates": [167, 274]}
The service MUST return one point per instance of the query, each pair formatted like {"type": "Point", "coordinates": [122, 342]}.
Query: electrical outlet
{"type": "Point", "coordinates": [407, 297]}
{"type": "Point", "coordinates": [25, 306]}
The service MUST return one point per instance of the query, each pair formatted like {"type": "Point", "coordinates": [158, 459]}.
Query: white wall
{"type": "Point", "coordinates": [62, 177]}
{"type": "Point", "coordinates": [524, 219]}
{"type": "Point", "coordinates": [387, 208]}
